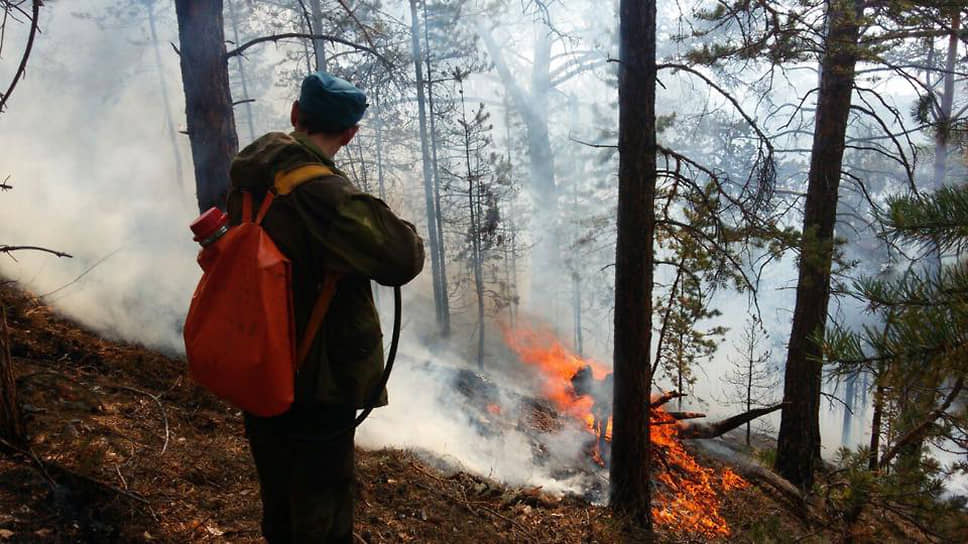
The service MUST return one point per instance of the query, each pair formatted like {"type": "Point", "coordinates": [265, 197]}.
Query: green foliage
{"type": "Point", "coordinates": [912, 497]}
{"type": "Point", "coordinates": [939, 219]}
{"type": "Point", "coordinates": [918, 355]}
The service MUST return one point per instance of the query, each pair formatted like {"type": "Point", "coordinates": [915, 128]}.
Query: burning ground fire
{"type": "Point", "coordinates": [687, 495]}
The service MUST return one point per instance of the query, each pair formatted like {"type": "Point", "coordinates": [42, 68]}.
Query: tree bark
{"type": "Point", "coordinates": [631, 444]}
{"type": "Point", "coordinates": [798, 442]}
{"type": "Point", "coordinates": [241, 68]}
{"type": "Point", "coordinates": [435, 254]}
{"type": "Point", "coordinates": [319, 45]}
{"type": "Point", "coordinates": [11, 422]}
{"type": "Point", "coordinates": [719, 428]}
{"type": "Point", "coordinates": [944, 122]}
{"type": "Point", "coordinates": [208, 98]}
{"type": "Point", "coordinates": [441, 254]}
{"type": "Point", "coordinates": [163, 84]}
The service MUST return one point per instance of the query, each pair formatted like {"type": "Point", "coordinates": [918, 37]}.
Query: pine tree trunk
{"type": "Point", "coordinates": [475, 198]}
{"type": "Point", "coordinates": [243, 82]}
{"type": "Point", "coordinates": [943, 134]}
{"type": "Point", "coordinates": [533, 108]}
{"type": "Point", "coordinates": [380, 175]}
{"type": "Point", "coordinates": [749, 385]}
{"type": "Point", "coordinates": [576, 287]}
{"type": "Point", "coordinates": [163, 84]}
{"type": "Point", "coordinates": [631, 447]}
{"type": "Point", "coordinates": [441, 255]}
{"type": "Point", "coordinates": [435, 249]}
{"type": "Point", "coordinates": [875, 445]}
{"type": "Point", "coordinates": [11, 422]}
{"type": "Point", "coordinates": [319, 46]}
{"type": "Point", "coordinates": [208, 98]}
{"type": "Point", "coordinates": [850, 395]}
{"type": "Point", "coordinates": [798, 442]}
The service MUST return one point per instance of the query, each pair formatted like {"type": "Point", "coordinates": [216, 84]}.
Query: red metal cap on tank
{"type": "Point", "coordinates": [209, 226]}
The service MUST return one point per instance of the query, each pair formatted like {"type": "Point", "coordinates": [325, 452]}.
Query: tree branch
{"type": "Point", "coordinates": [302, 35]}
{"type": "Point", "coordinates": [726, 95]}
{"type": "Point", "coordinates": [11, 249]}
{"type": "Point", "coordinates": [712, 430]}
{"type": "Point", "coordinates": [23, 61]}
{"type": "Point", "coordinates": [921, 429]}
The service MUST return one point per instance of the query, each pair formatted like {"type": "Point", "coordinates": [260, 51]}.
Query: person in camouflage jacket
{"type": "Point", "coordinates": [325, 225]}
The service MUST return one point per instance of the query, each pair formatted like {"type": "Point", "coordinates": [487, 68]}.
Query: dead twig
{"type": "Point", "coordinates": [421, 470]}
{"type": "Point", "coordinates": [11, 249]}
{"type": "Point", "coordinates": [65, 377]}
{"type": "Point", "coordinates": [191, 530]}
{"type": "Point", "coordinates": [46, 468]}
{"type": "Point", "coordinates": [161, 407]}
{"type": "Point", "coordinates": [124, 482]}
{"type": "Point", "coordinates": [81, 275]}
{"type": "Point", "coordinates": [516, 525]}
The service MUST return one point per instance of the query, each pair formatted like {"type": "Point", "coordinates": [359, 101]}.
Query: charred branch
{"type": "Point", "coordinates": [718, 428]}
{"type": "Point", "coordinates": [686, 415]}
{"type": "Point", "coordinates": [664, 398]}
{"type": "Point", "coordinates": [11, 249]}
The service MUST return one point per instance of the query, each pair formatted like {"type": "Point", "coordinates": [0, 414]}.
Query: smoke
{"type": "Point", "coordinates": [85, 144]}
{"type": "Point", "coordinates": [86, 148]}
{"type": "Point", "coordinates": [428, 413]}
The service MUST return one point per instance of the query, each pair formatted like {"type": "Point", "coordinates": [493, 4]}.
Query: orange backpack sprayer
{"type": "Point", "coordinates": [240, 337]}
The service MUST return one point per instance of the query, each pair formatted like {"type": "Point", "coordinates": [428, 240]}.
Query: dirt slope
{"type": "Point", "coordinates": [136, 453]}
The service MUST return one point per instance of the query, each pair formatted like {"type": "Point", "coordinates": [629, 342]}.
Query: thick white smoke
{"type": "Point", "coordinates": [86, 148]}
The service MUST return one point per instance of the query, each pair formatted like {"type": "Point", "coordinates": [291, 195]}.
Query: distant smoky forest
{"type": "Point", "coordinates": [752, 203]}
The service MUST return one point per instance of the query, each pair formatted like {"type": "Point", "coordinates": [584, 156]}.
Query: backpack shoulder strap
{"type": "Point", "coordinates": [316, 318]}
{"type": "Point", "coordinates": [286, 181]}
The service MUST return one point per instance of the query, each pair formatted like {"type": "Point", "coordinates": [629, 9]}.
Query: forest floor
{"type": "Point", "coordinates": [133, 452]}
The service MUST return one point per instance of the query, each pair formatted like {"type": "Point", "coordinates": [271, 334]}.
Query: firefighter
{"type": "Point", "coordinates": [304, 457]}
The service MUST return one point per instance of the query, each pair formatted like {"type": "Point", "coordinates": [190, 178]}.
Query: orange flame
{"type": "Point", "coordinates": [687, 496]}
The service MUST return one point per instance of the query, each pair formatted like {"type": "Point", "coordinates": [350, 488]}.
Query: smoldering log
{"type": "Point", "coordinates": [712, 430]}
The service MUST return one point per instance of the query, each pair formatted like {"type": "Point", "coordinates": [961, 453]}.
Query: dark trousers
{"type": "Point", "coordinates": [305, 474]}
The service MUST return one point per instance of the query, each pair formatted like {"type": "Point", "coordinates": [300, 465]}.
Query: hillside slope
{"type": "Point", "coordinates": [135, 453]}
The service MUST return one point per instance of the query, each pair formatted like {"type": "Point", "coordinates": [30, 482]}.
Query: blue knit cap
{"type": "Point", "coordinates": [330, 104]}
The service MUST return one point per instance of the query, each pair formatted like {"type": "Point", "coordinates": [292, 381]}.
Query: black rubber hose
{"type": "Point", "coordinates": [394, 342]}
{"type": "Point", "coordinates": [378, 391]}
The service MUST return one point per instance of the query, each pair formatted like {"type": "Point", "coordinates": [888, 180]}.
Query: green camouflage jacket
{"type": "Point", "coordinates": [327, 224]}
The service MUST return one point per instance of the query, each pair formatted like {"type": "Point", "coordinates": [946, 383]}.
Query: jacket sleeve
{"type": "Point", "coordinates": [359, 231]}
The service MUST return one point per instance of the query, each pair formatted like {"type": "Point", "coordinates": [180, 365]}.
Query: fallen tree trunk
{"type": "Point", "coordinates": [753, 472]}
{"type": "Point", "coordinates": [718, 428]}
{"type": "Point", "coordinates": [686, 415]}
